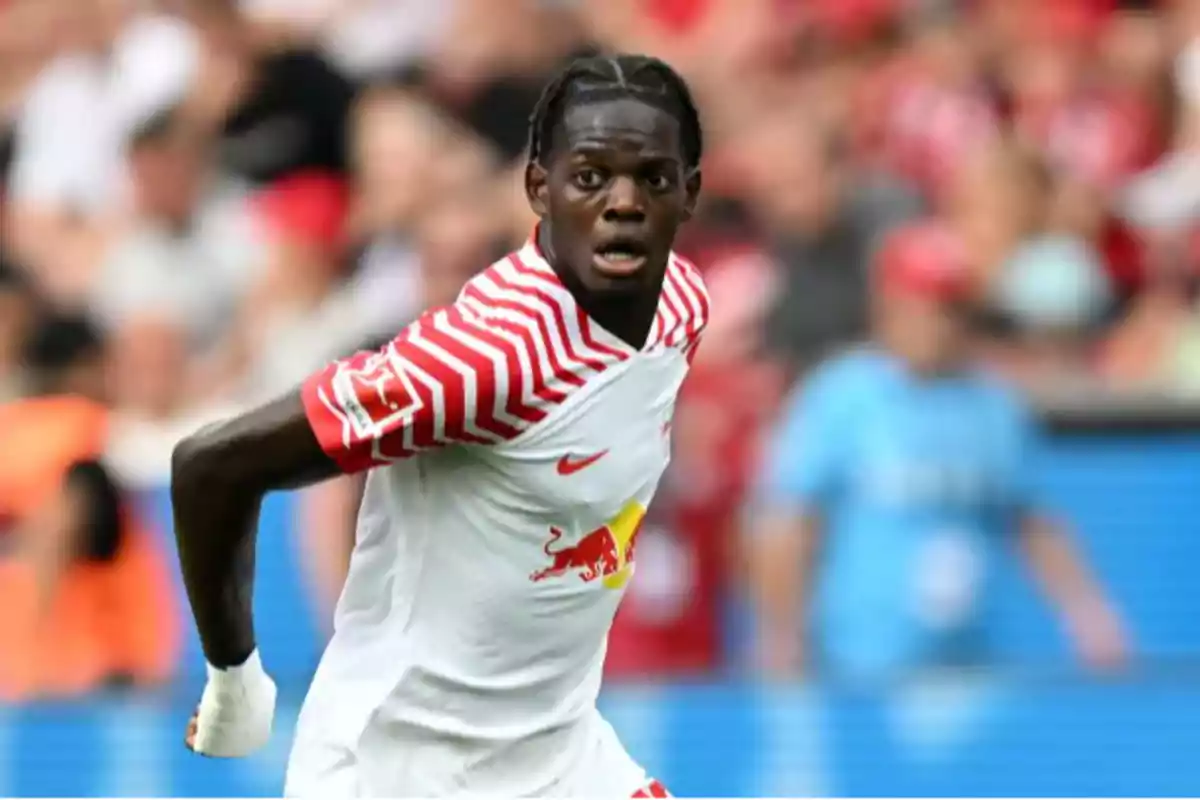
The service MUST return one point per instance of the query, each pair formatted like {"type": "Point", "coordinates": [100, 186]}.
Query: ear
{"type": "Point", "coordinates": [537, 188]}
{"type": "Point", "coordinates": [691, 187]}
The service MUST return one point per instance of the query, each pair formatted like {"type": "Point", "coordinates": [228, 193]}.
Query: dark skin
{"type": "Point", "coordinates": [615, 170]}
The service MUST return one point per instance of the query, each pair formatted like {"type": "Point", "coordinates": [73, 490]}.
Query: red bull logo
{"type": "Point", "coordinates": [606, 552]}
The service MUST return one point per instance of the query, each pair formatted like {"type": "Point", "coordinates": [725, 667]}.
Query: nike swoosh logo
{"type": "Point", "coordinates": [569, 466]}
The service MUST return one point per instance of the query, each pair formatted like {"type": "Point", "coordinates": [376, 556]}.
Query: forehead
{"type": "Point", "coordinates": [623, 124]}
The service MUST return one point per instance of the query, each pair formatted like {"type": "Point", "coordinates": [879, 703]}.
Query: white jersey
{"type": "Point", "coordinates": [517, 446]}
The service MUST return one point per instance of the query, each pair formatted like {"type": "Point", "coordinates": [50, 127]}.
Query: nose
{"type": "Point", "coordinates": [625, 202]}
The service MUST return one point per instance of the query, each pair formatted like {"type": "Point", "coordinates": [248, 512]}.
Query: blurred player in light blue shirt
{"type": "Point", "coordinates": [896, 470]}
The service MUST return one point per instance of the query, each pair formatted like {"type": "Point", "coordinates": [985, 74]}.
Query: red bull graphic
{"type": "Point", "coordinates": [606, 552]}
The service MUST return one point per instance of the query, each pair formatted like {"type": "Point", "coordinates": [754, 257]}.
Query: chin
{"type": "Point", "coordinates": [631, 283]}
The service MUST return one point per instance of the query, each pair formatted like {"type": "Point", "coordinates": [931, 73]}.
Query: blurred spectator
{"type": "Point", "coordinates": [457, 238]}
{"type": "Point", "coordinates": [1054, 288]}
{"type": "Point", "coordinates": [1029, 236]}
{"type": "Point", "coordinates": [27, 39]}
{"type": "Point", "coordinates": [88, 599]}
{"type": "Point", "coordinates": [1096, 127]}
{"type": "Point", "coordinates": [191, 254]}
{"type": "Point", "coordinates": [366, 40]}
{"type": "Point", "coordinates": [408, 158]}
{"type": "Point", "coordinates": [18, 309]}
{"type": "Point", "coordinates": [397, 140]}
{"type": "Point", "coordinates": [998, 198]}
{"type": "Point", "coordinates": [933, 110]}
{"type": "Point", "coordinates": [1142, 351]}
{"type": "Point", "coordinates": [173, 291]}
{"type": "Point", "coordinates": [823, 221]}
{"type": "Point", "coordinates": [720, 45]}
{"type": "Point", "coordinates": [897, 471]}
{"type": "Point", "coordinates": [492, 61]}
{"type": "Point", "coordinates": [67, 185]}
{"type": "Point", "coordinates": [297, 319]}
{"type": "Point", "coordinates": [279, 111]}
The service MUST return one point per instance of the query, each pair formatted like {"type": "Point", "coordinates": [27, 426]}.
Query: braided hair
{"type": "Point", "coordinates": [599, 78]}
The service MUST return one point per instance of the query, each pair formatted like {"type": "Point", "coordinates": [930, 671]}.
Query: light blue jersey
{"type": "Point", "coordinates": [916, 481]}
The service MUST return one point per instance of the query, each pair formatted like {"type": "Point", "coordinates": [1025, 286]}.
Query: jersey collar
{"type": "Point", "coordinates": [531, 255]}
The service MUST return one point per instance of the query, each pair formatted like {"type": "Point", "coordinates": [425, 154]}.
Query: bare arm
{"type": "Point", "coordinates": [62, 251]}
{"type": "Point", "coordinates": [219, 477]}
{"type": "Point", "coordinates": [798, 480]}
{"type": "Point", "coordinates": [781, 557]}
{"type": "Point", "coordinates": [1063, 574]}
{"type": "Point", "coordinates": [80, 521]}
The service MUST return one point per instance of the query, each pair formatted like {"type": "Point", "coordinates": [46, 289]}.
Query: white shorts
{"type": "Point", "coordinates": [586, 761]}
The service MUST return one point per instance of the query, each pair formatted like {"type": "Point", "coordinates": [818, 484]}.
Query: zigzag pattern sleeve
{"type": "Point", "coordinates": [448, 378]}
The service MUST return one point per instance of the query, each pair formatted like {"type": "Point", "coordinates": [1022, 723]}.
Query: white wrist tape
{"type": "Point", "coordinates": [236, 710]}
{"type": "Point", "coordinates": [231, 677]}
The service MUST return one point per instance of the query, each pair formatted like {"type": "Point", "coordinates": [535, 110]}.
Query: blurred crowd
{"type": "Point", "coordinates": [205, 200]}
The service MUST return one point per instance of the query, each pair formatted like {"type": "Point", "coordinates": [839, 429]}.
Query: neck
{"type": "Point", "coordinates": [627, 315]}
{"type": "Point", "coordinates": [933, 371]}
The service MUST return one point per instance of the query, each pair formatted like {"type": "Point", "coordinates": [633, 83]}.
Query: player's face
{"type": "Point", "coordinates": [615, 193]}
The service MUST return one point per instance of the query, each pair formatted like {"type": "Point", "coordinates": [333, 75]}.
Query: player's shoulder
{"type": "Point", "coordinates": [836, 384]}
{"type": "Point", "coordinates": [518, 284]}
{"type": "Point", "coordinates": [517, 305]}
{"type": "Point", "coordinates": [997, 391]}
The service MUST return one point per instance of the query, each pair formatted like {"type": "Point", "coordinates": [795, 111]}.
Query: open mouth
{"type": "Point", "coordinates": [620, 257]}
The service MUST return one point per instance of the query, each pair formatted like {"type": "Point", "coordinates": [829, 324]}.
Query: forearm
{"type": "Point", "coordinates": [782, 561]}
{"type": "Point", "coordinates": [1092, 623]}
{"type": "Point", "coordinates": [219, 477]}
{"type": "Point", "coordinates": [1058, 565]}
{"type": "Point", "coordinates": [60, 252]}
{"type": "Point", "coordinates": [45, 541]}
{"type": "Point", "coordinates": [215, 533]}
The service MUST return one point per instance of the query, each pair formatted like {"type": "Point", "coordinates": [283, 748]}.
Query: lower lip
{"type": "Point", "coordinates": [619, 268]}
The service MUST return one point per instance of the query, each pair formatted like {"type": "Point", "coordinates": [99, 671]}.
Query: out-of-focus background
{"type": "Point", "coordinates": [204, 201]}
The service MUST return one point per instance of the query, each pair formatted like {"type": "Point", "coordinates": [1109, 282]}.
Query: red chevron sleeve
{"type": "Point", "coordinates": [446, 379]}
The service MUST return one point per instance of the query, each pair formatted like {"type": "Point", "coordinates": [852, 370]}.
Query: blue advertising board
{"type": "Point", "coordinates": [960, 736]}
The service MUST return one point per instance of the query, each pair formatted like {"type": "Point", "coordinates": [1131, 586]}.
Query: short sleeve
{"type": "Point", "coordinates": [804, 464]}
{"type": "Point", "coordinates": [1027, 492]}
{"type": "Point", "coordinates": [447, 379]}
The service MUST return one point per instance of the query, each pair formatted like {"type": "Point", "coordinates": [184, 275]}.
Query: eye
{"type": "Point", "coordinates": [587, 179]}
{"type": "Point", "coordinates": [659, 182]}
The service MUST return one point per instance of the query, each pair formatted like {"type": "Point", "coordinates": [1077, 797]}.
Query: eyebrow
{"type": "Point", "coordinates": [583, 150]}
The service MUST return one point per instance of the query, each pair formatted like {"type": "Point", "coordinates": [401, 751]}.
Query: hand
{"type": "Point", "coordinates": [1099, 636]}
{"type": "Point", "coordinates": [235, 713]}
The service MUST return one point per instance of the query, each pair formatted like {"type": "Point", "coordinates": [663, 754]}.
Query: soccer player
{"type": "Point", "coordinates": [515, 439]}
